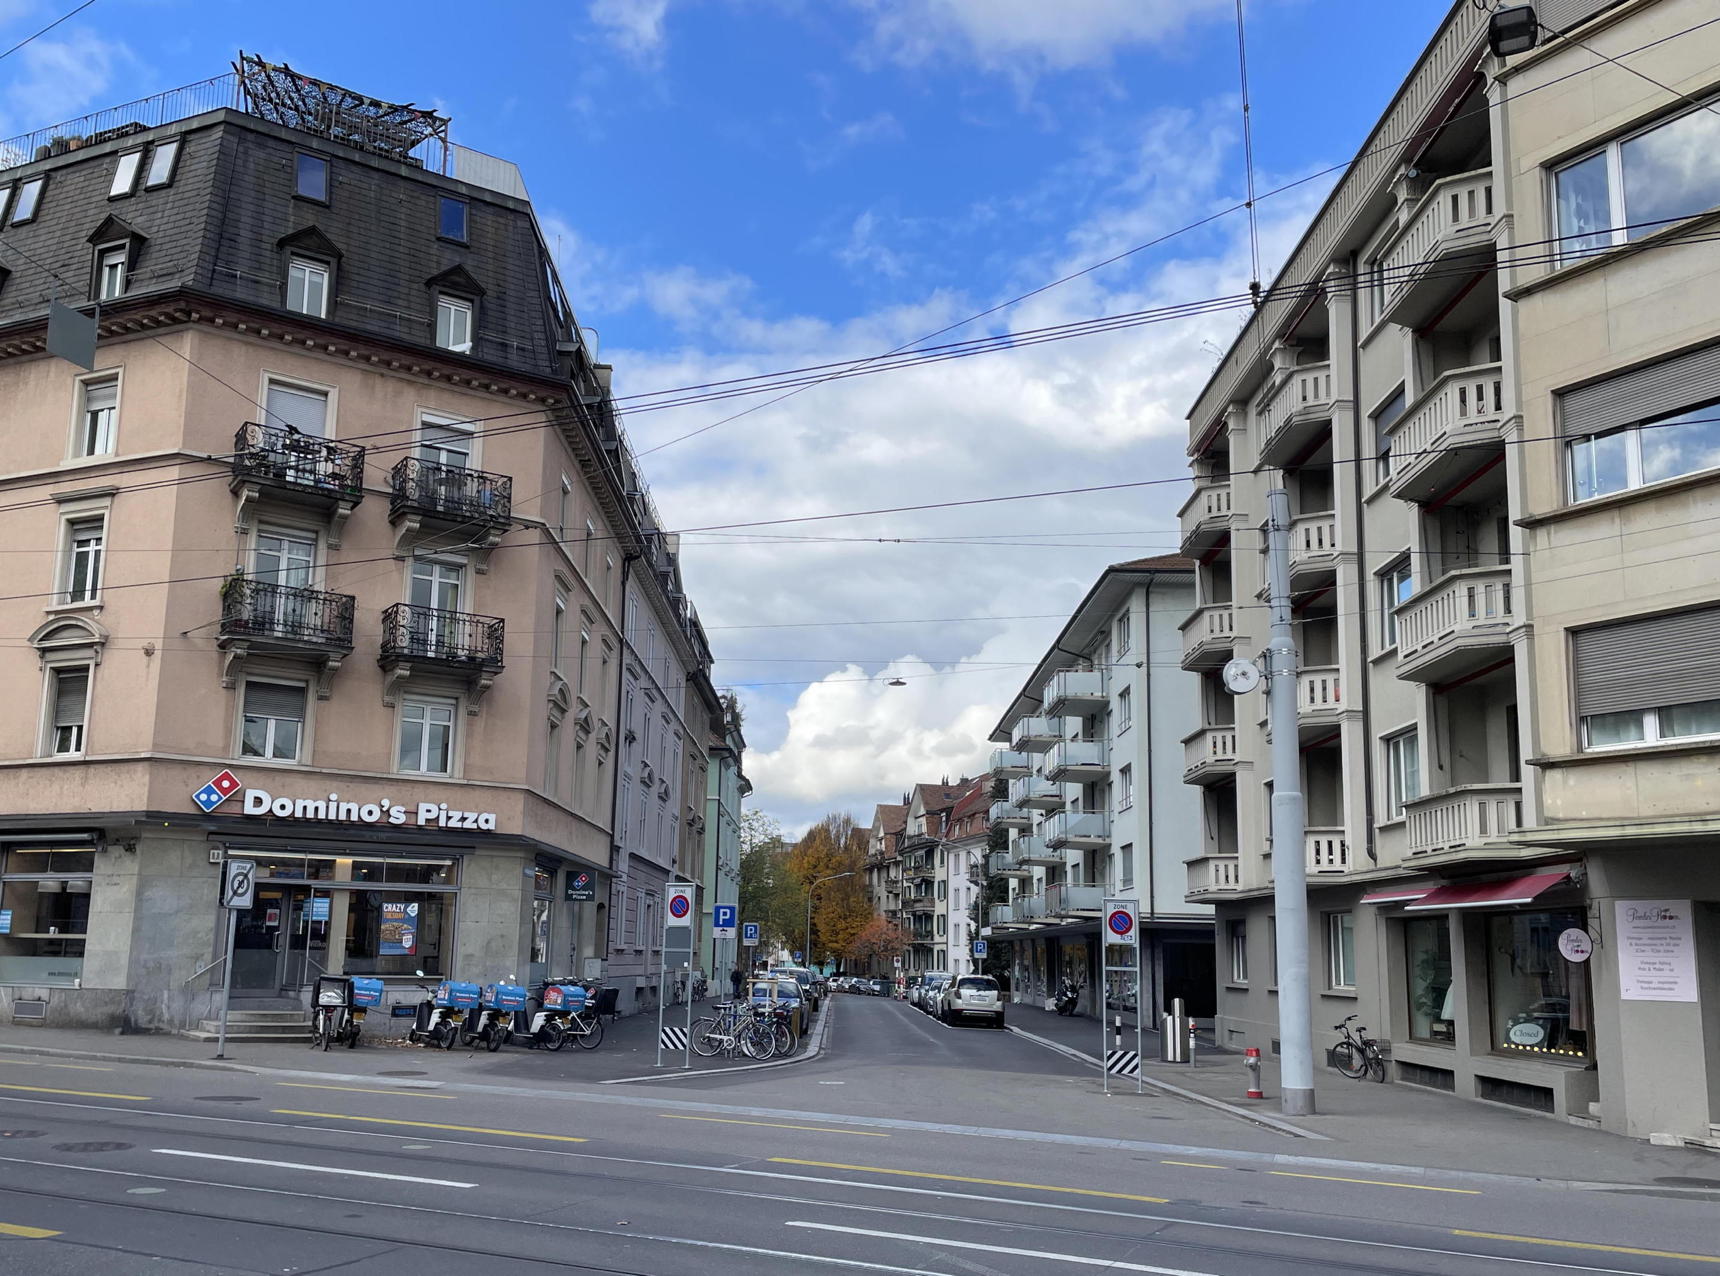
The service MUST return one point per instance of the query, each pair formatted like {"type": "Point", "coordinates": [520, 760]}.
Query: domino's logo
{"type": "Point", "coordinates": [217, 791]}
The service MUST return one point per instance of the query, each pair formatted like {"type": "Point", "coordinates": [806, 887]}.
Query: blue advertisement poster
{"type": "Point", "coordinates": [399, 930]}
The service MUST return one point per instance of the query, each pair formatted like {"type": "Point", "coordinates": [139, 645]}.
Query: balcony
{"type": "Point", "coordinates": [1036, 735]}
{"type": "Point", "coordinates": [1452, 429]}
{"type": "Point", "coordinates": [1078, 761]}
{"type": "Point", "coordinates": [1313, 551]}
{"type": "Point", "coordinates": [926, 903]}
{"type": "Point", "coordinates": [1214, 873]}
{"type": "Point", "coordinates": [425, 495]}
{"type": "Point", "coordinates": [1318, 703]}
{"type": "Point", "coordinates": [1209, 755]}
{"type": "Point", "coordinates": [1205, 516]}
{"type": "Point", "coordinates": [1027, 852]}
{"type": "Point", "coordinates": [1467, 816]}
{"type": "Point", "coordinates": [919, 873]}
{"type": "Point", "coordinates": [419, 639]}
{"type": "Point", "coordinates": [1073, 899]}
{"type": "Point", "coordinates": [1034, 793]}
{"type": "Point", "coordinates": [1069, 693]}
{"type": "Point", "coordinates": [261, 617]}
{"type": "Point", "coordinates": [1009, 816]}
{"type": "Point", "coordinates": [1027, 908]}
{"type": "Point", "coordinates": [1002, 864]}
{"type": "Point", "coordinates": [1449, 234]}
{"type": "Point", "coordinates": [1209, 636]}
{"type": "Point", "coordinates": [1294, 413]}
{"type": "Point", "coordinates": [999, 915]}
{"type": "Point", "coordinates": [1455, 626]}
{"type": "Point", "coordinates": [1006, 764]}
{"type": "Point", "coordinates": [1078, 830]}
{"type": "Point", "coordinates": [300, 469]}
{"type": "Point", "coordinates": [1327, 851]}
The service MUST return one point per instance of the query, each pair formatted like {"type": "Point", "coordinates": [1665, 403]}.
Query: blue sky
{"type": "Point", "coordinates": [737, 186]}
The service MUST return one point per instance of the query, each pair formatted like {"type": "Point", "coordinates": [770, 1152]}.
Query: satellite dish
{"type": "Point", "coordinates": [1241, 676]}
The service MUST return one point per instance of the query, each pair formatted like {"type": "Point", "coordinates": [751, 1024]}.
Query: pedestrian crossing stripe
{"type": "Point", "coordinates": [1123, 1063]}
{"type": "Point", "coordinates": [672, 1039]}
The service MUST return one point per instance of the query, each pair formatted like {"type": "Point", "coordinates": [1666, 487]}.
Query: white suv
{"type": "Point", "coordinates": [970, 995]}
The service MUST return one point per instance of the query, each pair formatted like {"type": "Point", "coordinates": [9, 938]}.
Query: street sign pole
{"type": "Point", "coordinates": [1121, 931]}
{"type": "Point", "coordinates": [238, 891]}
{"type": "Point", "coordinates": [678, 943]}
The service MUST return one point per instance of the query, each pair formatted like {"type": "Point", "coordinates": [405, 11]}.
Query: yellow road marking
{"type": "Point", "coordinates": [75, 1067]}
{"type": "Point", "coordinates": [1199, 1165]}
{"type": "Point", "coordinates": [28, 1233]}
{"type": "Point", "coordinates": [431, 1125]}
{"type": "Point", "coordinates": [1606, 1249]}
{"type": "Point", "coordinates": [1414, 1187]}
{"type": "Point", "coordinates": [958, 1178]}
{"type": "Point", "coordinates": [775, 1125]}
{"type": "Point", "coordinates": [355, 1089]}
{"type": "Point", "coordinates": [82, 1094]}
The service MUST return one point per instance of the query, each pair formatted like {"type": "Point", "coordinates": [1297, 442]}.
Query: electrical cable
{"type": "Point", "coordinates": [71, 13]}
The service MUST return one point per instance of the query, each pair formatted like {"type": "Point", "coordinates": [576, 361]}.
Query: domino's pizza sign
{"type": "Point", "coordinates": [334, 808]}
{"type": "Point", "coordinates": [218, 790]}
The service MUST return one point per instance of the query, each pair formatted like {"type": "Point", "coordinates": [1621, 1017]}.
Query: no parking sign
{"type": "Point", "coordinates": [1120, 921]}
{"type": "Point", "coordinates": [1120, 978]}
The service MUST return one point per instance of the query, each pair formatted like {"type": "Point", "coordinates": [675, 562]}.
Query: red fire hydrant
{"type": "Point", "coordinates": [1251, 1061]}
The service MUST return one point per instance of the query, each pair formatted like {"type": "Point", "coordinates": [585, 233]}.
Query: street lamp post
{"type": "Point", "coordinates": [817, 882]}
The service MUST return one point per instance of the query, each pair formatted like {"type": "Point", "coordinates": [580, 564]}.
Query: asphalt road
{"type": "Point", "coordinates": [118, 1168]}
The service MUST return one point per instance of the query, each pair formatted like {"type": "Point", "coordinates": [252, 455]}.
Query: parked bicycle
{"type": "Point", "coordinates": [736, 1029]}
{"type": "Point", "coordinates": [340, 1003]}
{"type": "Point", "coordinates": [1358, 1054]}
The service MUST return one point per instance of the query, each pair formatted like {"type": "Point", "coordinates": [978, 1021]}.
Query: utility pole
{"type": "Point", "coordinates": [1289, 862]}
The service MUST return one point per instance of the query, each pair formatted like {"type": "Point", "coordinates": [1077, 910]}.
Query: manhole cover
{"type": "Point", "coordinates": [403, 1074]}
{"type": "Point", "coordinates": [227, 1098]}
{"type": "Point", "coordinates": [91, 1147]}
{"type": "Point", "coordinates": [22, 1134]}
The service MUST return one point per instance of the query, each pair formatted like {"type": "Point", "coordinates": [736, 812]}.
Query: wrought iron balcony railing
{"type": "Point", "coordinates": [260, 609]}
{"type": "Point", "coordinates": [411, 632]}
{"type": "Point", "coordinates": [282, 456]}
{"type": "Point", "coordinates": [451, 492]}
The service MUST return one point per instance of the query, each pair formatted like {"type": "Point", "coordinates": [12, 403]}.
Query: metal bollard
{"type": "Point", "coordinates": [1176, 1036]}
{"type": "Point", "coordinates": [1251, 1061]}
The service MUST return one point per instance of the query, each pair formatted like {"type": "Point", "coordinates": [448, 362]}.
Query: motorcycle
{"type": "Point", "coordinates": [442, 1014]}
{"type": "Point", "coordinates": [494, 1022]}
{"type": "Point", "coordinates": [1068, 993]}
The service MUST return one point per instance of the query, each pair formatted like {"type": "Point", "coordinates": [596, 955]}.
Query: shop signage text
{"type": "Point", "coordinates": [424, 814]}
{"type": "Point", "coordinates": [1656, 949]}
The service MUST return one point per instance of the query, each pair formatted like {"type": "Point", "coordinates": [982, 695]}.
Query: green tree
{"type": "Point", "coordinates": [770, 893]}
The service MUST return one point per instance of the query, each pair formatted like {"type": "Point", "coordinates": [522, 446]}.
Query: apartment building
{"type": "Point", "coordinates": [726, 787]}
{"type": "Point", "coordinates": [329, 558]}
{"type": "Point", "coordinates": [961, 873]}
{"type": "Point", "coordinates": [925, 857]}
{"type": "Point", "coordinates": [884, 863]}
{"type": "Point", "coordinates": [1093, 750]}
{"type": "Point", "coordinates": [1499, 577]}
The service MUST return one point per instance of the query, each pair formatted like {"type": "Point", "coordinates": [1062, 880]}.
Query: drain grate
{"type": "Point", "coordinates": [91, 1147]}
{"type": "Point", "coordinates": [227, 1098]}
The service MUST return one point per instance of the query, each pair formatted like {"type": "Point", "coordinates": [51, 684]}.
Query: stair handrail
{"type": "Point", "coordinates": [203, 970]}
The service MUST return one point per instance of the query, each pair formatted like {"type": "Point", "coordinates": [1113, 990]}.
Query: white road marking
{"type": "Point", "coordinates": [1110, 1264]}
{"type": "Point", "coordinates": [316, 1169]}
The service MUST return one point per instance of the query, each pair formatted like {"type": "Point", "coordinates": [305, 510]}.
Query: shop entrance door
{"type": "Point", "coordinates": [280, 944]}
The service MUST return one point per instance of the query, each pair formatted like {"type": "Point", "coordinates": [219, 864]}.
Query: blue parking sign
{"type": "Point", "coordinates": [723, 921]}
{"type": "Point", "coordinates": [979, 948]}
{"type": "Point", "coordinates": [749, 934]}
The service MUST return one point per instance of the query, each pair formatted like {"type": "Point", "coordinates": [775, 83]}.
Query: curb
{"type": "Point", "coordinates": [815, 1047]}
{"type": "Point", "coordinates": [1218, 1105]}
{"type": "Point", "coordinates": [212, 1065]}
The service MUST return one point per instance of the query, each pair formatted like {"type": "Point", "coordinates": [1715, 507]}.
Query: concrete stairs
{"type": "Point", "coordinates": [280, 1027]}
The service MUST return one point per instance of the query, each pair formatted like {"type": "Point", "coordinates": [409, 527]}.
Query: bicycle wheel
{"type": "Point", "coordinates": [353, 1029]}
{"type": "Point", "coordinates": [1376, 1063]}
{"type": "Point", "coordinates": [592, 1037]}
{"type": "Point", "coordinates": [758, 1041]}
{"type": "Point", "coordinates": [322, 1031]}
{"type": "Point", "coordinates": [707, 1037]}
{"type": "Point", "coordinates": [1348, 1060]}
{"type": "Point", "coordinates": [554, 1036]}
{"type": "Point", "coordinates": [785, 1041]}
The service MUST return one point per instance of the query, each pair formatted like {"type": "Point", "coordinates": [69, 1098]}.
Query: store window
{"type": "Point", "coordinates": [395, 932]}
{"type": "Point", "coordinates": [1539, 1002]}
{"type": "Point", "coordinates": [45, 898]}
{"type": "Point", "coordinates": [543, 892]}
{"type": "Point", "coordinates": [1432, 996]}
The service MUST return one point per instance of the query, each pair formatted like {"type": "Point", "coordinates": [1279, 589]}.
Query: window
{"type": "Point", "coordinates": [85, 542]}
{"type": "Point", "coordinates": [1126, 866]}
{"type": "Point", "coordinates": [1125, 709]}
{"type": "Point", "coordinates": [426, 736]}
{"type": "Point", "coordinates": [1341, 950]}
{"type": "Point", "coordinates": [110, 272]}
{"type": "Point", "coordinates": [1650, 452]}
{"type": "Point", "coordinates": [1633, 186]}
{"type": "Point", "coordinates": [48, 894]}
{"type": "Point", "coordinates": [1648, 681]}
{"type": "Point", "coordinates": [29, 201]}
{"type": "Point", "coordinates": [564, 505]}
{"type": "Point", "coordinates": [125, 174]}
{"type": "Point", "coordinates": [392, 932]}
{"type": "Point", "coordinates": [1539, 1001]}
{"type": "Point", "coordinates": [98, 401]}
{"type": "Point", "coordinates": [1125, 787]}
{"type": "Point", "coordinates": [1403, 771]}
{"type": "Point", "coordinates": [310, 177]}
{"type": "Point", "coordinates": [1236, 935]}
{"type": "Point", "coordinates": [274, 721]}
{"type": "Point", "coordinates": [1123, 634]}
{"type": "Point", "coordinates": [622, 806]}
{"type": "Point", "coordinates": [454, 324]}
{"type": "Point", "coordinates": [578, 769]}
{"type": "Point", "coordinates": [1397, 586]}
{"type": "Point", "coordinates": [307, 287]}
{"type": "Point", "coordinates": [579, 673]}
{"type": "Point", "coordinates": [68, 709]}
{"type": "Point", "coordinates": [585, 558]}
{"type": "Point", "coordinates": [161, 164]}
{"type": "Point", "coordinates": [1432, 994]}
{"type": "Point", "coordinates": [445, 441]}
{"type": "Point", "coordinates": [1384, 419]}
{"type": "Point", "coordinates": [451, 219]}
{"type": "Point", "coordinates": [296, 407]}
{"type": "Point", "coordinates": [552, 760]}
{"type": "Point", "coordinates": [558, 625]}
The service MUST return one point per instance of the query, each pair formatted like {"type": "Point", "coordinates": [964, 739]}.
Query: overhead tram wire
{"type": "Point", "coordinates": [36, 35]}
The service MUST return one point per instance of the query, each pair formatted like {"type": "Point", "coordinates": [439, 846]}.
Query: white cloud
{"type": "Point", "coordinates": [56, 79]}
{"type": "Point", "coordinates": [633, 26]}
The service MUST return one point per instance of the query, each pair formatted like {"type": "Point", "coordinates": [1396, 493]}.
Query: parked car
{"type": "Point", "coordinates": [769, 990]}
{"type": "Point", "coordinates": [931, 983]}
{"type": "Point", "coordinates": [970, 997]}
{"type": "Point", "coordinates": [878, 987]}
{"type": "Point", "coordinates": [809, 981]}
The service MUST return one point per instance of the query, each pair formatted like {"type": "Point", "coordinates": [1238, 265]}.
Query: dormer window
{"type": "Point", "coordinates": [110, 271]}
{"type": "Point", "coordinates": [310, 177]}
{"type": "Point", "coordinates": [307, 287]}
{"type": "Point", "coordinates": [454, 323]}
{"type": "Point", "coordinates": [451, 219]}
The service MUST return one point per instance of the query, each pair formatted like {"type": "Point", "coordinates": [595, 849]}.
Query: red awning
{"type": "Point", "coordinates": [1396, 895]}
{"type": "Point", "coordinates": [1510, 890]}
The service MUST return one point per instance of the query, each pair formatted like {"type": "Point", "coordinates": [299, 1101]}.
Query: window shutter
{"type": "Point", "coordinates": [304, 410]}
{"type": "Point", "coordinates": [100, 396]}
{"type": "Point", "coordinates": [71, 693]}
{"type": "Point", "coordinates": [274, 700]}
{"type": "Point", "coordinates": [1562, 15]}
{"type": "Point", "coordinates": [1648, 664]}
{"type": "Point", "coordinates": [1660, 389]}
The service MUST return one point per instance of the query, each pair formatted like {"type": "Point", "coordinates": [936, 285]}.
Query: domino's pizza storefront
{"type": "Point", "coordinates": [119, 924]}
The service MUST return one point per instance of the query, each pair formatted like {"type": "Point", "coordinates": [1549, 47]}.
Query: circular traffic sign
{"type": "Point", "coordinates": [680, 906]}
{"type": "Point", "coordinates": [1121, 923]}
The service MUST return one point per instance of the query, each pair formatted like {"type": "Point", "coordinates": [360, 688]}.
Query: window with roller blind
{"type": "Point", "coordinates": [1644, 426]}
{"type": "Point", "coordinates": [299, 407]}
{"type": "Point", "coordinates": [98, 405]}
{"type": "Point", "coordinates": [274, 721]}
{"type": "Point", "coordinates": [68, 710]}
{"type": "Point", "coordinates": [1653, 680]}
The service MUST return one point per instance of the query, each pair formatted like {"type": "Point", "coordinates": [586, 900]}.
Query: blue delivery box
{"type": "Point", "coordinates": [451, 994]}
{"type": "Point", "coordinates": [504, 997]}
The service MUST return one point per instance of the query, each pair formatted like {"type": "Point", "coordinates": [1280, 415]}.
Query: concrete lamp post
{"type": "Point", "coordinates": [817, 882]}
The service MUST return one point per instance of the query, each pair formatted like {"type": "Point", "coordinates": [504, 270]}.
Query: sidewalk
{"type": "Point", "coordinates": [1395, 1123]}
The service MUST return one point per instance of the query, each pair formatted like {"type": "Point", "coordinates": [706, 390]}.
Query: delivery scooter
{"type": "Point", "coordinates": [443, 1014]}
